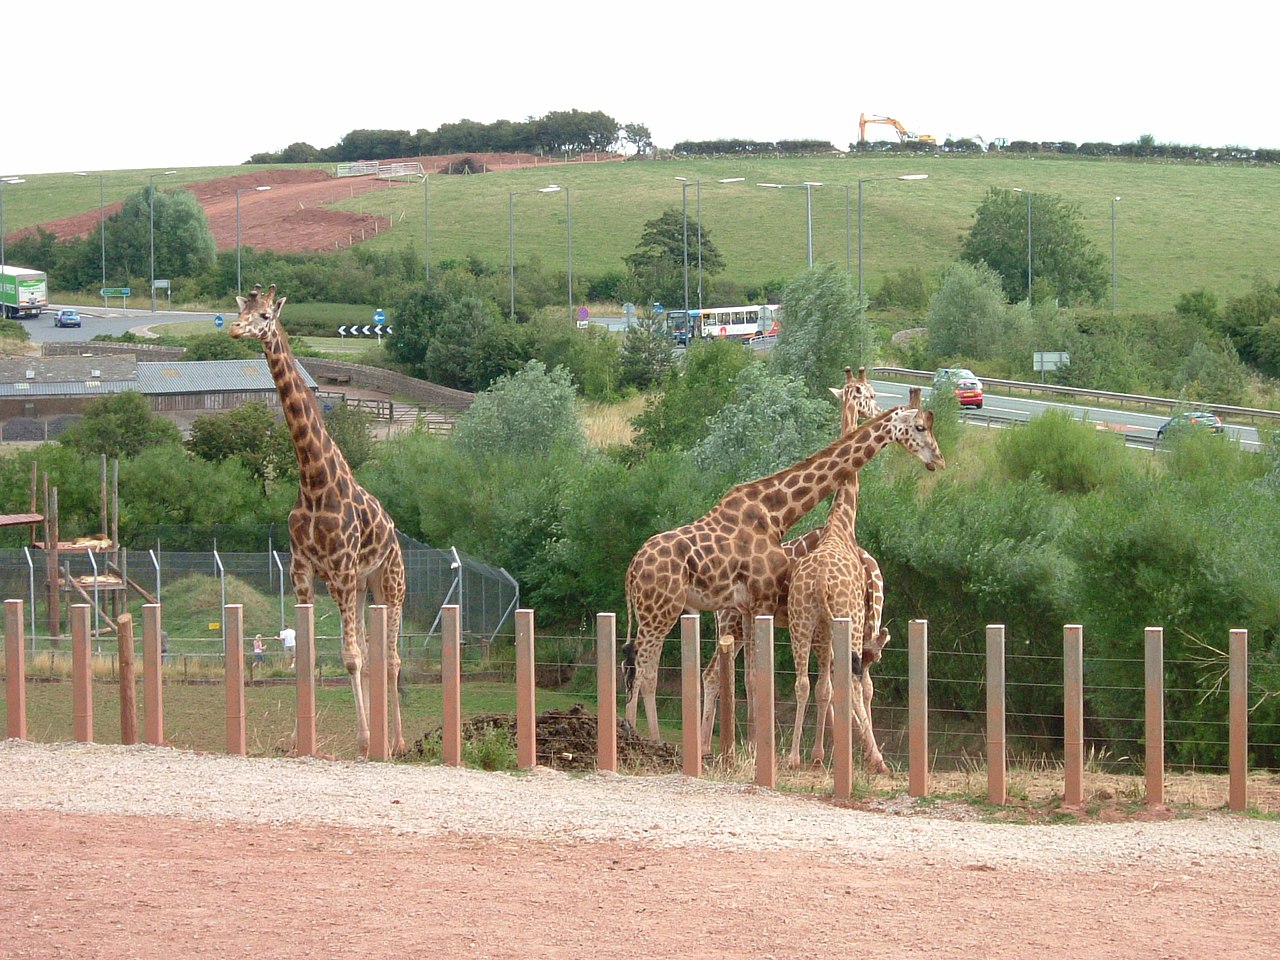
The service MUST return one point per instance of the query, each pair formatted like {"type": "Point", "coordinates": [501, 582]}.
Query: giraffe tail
{"type": "Point", "coordinates": [629, 648]}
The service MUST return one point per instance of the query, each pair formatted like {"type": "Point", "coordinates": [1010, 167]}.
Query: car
{"type": "Point", "coordinates": [67, 318]}
{"type": "Point", "coordinates": [966, 384]}
{"type": "Point", "coordinates": [1203, 419]}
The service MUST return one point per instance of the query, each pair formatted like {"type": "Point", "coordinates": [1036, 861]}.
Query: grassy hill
{"type": "Point", "coordinates": [1179, 226]}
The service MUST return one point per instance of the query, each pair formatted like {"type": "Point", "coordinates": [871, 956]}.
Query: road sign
{"type": "Point", "coordinates": [379, 317]}
{"type": "Point", "coordinates": [115, 292]}
{"type": "Point", "coordinates": [583, 324]}
{"type": "Point", "coordinates": [583, 313]}
{"type": "Point", "coordinates": [218, 321]}
{"type": "Point", "coordinates": [160, 284]}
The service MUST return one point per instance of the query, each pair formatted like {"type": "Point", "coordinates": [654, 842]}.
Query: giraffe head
{"type": "Point", "coordinates": [858, 399]}
{"type": "Point", "coordinates": [913, 428]}
{"type": "Point", "coordinates": [258, 314]}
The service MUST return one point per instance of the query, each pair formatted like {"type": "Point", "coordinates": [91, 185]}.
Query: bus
{"type": "Point", "coordinates": [725, 323]}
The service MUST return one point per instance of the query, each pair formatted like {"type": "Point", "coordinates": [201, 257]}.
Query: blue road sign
{"type": "Point", "coordinates": [218, 321]}
{"type": "Point", "coordinates": [379, 317]}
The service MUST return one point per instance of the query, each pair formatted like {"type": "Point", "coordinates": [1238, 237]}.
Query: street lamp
{"type": "Point", "coordinates": [1114, 201]}
{"type": "Point", "coordinates": [684, 205]}
{"type": "Point", "coordinates": [239, 190]}
{"type": "Point", "coordinates": [1028, 193]}
{"type": "Point", "coordinates": [568, 239]}
{"type": "Point", "coordinates": [808, 206]}
{"type": "Point", "coordinates": [426, 222]}
{"type": "Point", "coordinates": [151, 207]}
{"type": "Point", "coordinates": [511, 229]}
{"type": "Point", "coordinates": [12, 181]}
{"type": "Point", "coordinates": [102, 229]}
{"type": "Point", "coordinates": [908, 176]}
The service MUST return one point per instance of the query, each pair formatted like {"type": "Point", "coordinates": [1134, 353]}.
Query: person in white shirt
{"type": "Point", "coordinates": [289, 638]}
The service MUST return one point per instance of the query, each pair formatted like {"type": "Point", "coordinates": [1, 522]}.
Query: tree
{"type": "Point", "coordinates": [350, 429]}
{"type": "Point", "coordinates": [218, 346]}
{"type": "Point", "coordinates": [119, 426]}
{"type": "Point", "coordinates": [638, 135]}
{"type": "Point", "coordinates": [824, 329]}
{"type": "Point", "coordinates": [1252, 322]}
{"type": "Point", "coordinates": [771, 423]}
{"type": "Point", "coordinates": [529, 413]}
{"type": "Point", "coordinates": [250, 433]}
{"type": "Point", "coordinates": [647, 353]}
{"type": "Point", "coordinates": [694, 392]}
{"type": "Point", "coordinates": [1063, 260]}
{"type": "Point", "coordinates": [658, 265]}
{"type": "Point", "coordinates": [967, 312]}
{"type": "Point", "coordinates": [184, 245]}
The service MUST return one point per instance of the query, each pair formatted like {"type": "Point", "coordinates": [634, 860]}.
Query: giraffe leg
{"type": "Point", "coordinates": [388, 586]}
{"type": "Point", "coordinates": [344, 591]}
{"type": "Point", "coordinates": [302, 574]}
{"type": "Point", "coordinates": [800, 654]}
{"type": "Point", "coordinates": [824, 708]}
{"type": "Point", "coordinates": [726, 625]}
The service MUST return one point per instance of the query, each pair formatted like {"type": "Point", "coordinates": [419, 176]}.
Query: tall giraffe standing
{"type": "Point", "coordinates": [830, 582]}
{"type": "Point", "coordinates": [732, 557]}
{"type": "Point", "coordinates": [338, 531]}
{"type": "Point", "coordinates": [857, 403]}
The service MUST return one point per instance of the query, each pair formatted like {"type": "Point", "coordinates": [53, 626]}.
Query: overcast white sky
{"type": "Point", "coordinates": [136, 84]}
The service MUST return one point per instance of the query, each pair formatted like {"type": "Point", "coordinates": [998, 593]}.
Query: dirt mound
{"type": "Point", "coordinates": [566, 740]}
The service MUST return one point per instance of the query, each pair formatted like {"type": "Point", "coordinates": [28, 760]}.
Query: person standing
{"type": "Point", "coordinates": [257, 649]}
{"type": "Point", "coordinates": [289, 637]}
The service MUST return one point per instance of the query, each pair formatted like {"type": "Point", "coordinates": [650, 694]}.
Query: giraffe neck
{"type": "Point", "coordinates": [318, 456]}
{"type": "Point", "coordinates": [843, 515]}
{"type": "Point", "coordinates": [791, 493]}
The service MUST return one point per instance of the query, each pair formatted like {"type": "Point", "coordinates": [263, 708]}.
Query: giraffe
{"type": "Point", "coordinates": [338, 531]}
{"type": "Point", "coordinates": [732, 556]}
{"type": "Point", "coordinates": [858, 402]}
{"type": "Point", "coordinates": [828, 582]}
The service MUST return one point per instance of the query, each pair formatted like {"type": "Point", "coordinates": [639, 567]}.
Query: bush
{"type": "Point", "coordinates": [1068, 455]}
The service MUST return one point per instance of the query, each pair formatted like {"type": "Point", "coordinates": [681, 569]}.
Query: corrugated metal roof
{"type": "Point", "coordinates": [85, 388]}
{"type": "Point", "coordinates": [66, 369]}
{"type": "Point", "coordinates": [210, 376]}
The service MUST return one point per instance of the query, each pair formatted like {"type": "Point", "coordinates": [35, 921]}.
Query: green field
{"type": "Point", "coordinates": [1180, 227]}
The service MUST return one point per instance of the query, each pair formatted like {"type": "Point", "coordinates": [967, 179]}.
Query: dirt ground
{"type": "Point", "coordinates": [293, 216]}
{"type": "Point", "coordinates": [87, 886]}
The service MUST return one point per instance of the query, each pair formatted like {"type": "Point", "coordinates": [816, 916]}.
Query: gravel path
{"type": "Point", "coordinates": [669, 811]}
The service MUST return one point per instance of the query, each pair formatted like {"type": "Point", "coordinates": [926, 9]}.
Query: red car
{"type": "Point", "coordinates": [969, 392]}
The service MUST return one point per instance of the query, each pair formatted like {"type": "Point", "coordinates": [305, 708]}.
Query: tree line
{"type": "Point", "coordinates": [557, 132]}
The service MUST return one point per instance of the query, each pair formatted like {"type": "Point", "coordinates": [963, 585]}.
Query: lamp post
{"type": "Point", "coordinates": [1028, 194]}
{"type": "Point", "coordinates": [11, 181]}
{"type": "Point", "coordinates": [151, 208]}
{"type": "Point", "coordinates": [684, 204]}
{"type": "Point", "coordinates": [568, 240]}
{"type": "Point", "coordinates": [1114, 201]}
{"type": "Point", "coordinates": [239, 190]}
{"type": "Point", "coordinates": [426, 222]}
{"type": "Point", "coordinates": [908, 176]}
{"type": "Point", "coordinates": [102, 230]}
{"type": "Point", "coordinates": [808, 206]}
{"type": "Point", "coordinates": [511, 230]}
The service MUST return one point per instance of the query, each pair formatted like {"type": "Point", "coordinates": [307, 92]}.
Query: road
{"type": "Point", "coordinates": [111, 320]}
{"type": "Point", "coordinates": [1138, 429]}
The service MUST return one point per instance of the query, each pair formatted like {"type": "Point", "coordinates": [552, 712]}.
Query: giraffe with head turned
{"type": "Point", "coordinates": [732, 557]}
{"type": "Point", "coordinates": [857, 403]}
{"type": "Point", "coordinates": [827, 583]}
{"type": "Point", "coordinates": [338, 531]}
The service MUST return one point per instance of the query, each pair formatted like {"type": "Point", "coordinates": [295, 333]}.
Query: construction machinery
{"type": "Point", "coordinates": [904, 135]}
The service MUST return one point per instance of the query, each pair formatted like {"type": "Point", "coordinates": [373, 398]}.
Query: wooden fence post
{"type": "Point", "coordinates": [81, 674]}
{"type": "Point", "coordinates": [690, 701]}
{"type": "Point", "coordinates": [842, 698]}
{"type": "Point", "coordinates": [128, 680]}
{"type": "Point", "coordinates": [1073, 713]}
{"type": "Point", "coordinates": [997, 791]}
{"type": "Point", "coordinates": [526, 709]}
{"type": "Point", "coordinates": [766, 759]}
{"type": "Point", "coordinates": [304, 677]}
{"type": "Point", "coordinates": [606, 692]}
{"type": "Point", "coordinates": [1238, 711]}
{"type": "Point", "coordinates": [233, 620]}
{"type": "Point", "coordinates": [1154, 643]}
{"type": "Point", "coordinates": [376, 671]}
{"type": "Point", "coordinates": [918, 708]}
{"type": "Point", "coordinates": [451, 684]}
{"type": "Point", "coordinates": [15, 671]}
{"type": "Point", "coordinates": [152, 675]}
{"type": "Point", "coordinates": [728, 696]}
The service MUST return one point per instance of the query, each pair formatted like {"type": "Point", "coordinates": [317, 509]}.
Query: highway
{"type": "Point", "coordinates": [97, 320]}
{"type": "Point", "coordinates": [1138, 429]}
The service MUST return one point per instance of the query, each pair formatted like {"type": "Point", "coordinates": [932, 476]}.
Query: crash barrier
{"type": "Point", "coordinates": [691, 669]}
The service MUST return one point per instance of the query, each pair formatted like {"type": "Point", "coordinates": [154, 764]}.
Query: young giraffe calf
{"type": "Point", "coordinates": [828, 583]}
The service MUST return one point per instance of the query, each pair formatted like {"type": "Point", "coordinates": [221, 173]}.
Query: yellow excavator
{"type": "Point", "coordinates": [905, 135]}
